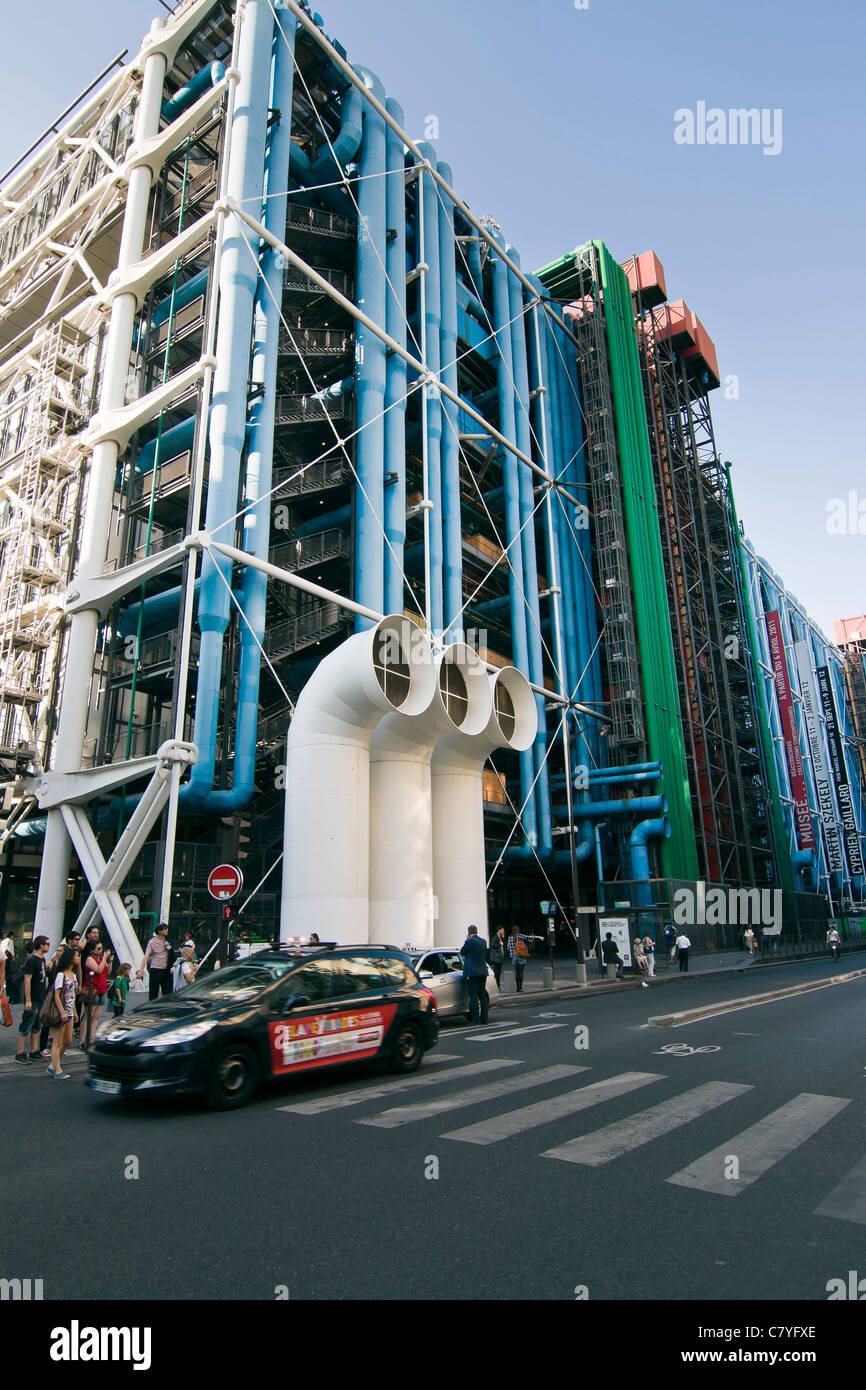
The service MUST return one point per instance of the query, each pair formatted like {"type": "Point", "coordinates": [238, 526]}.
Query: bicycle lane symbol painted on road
{"type": "Point", "coordinates": [685, 1049]}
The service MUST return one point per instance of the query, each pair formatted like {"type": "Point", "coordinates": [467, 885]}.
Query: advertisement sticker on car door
{"type": "Point", "coordinates": [316, 1039]}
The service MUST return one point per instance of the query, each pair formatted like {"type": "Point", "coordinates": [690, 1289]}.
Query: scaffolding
{"type": "Point", "coordinates": [725, 767]}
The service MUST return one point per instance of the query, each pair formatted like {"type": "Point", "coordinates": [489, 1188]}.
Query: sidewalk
{"type": "Point", "coordinates": [712, 963]}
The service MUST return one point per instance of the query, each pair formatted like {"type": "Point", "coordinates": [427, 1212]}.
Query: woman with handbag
{"type": "Point", "coordinates": [58, 1012]}
{"type": "Point", "coordinates": [96, 969]}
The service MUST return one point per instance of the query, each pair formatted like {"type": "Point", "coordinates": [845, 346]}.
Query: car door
{"type": "Point", "coordinates": [328, 1011]}
{"type": "Point", "coordinates": [453, 983]}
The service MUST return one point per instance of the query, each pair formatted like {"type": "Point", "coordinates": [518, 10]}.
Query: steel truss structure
{"type": "Point", "coordinates": [726, 772]}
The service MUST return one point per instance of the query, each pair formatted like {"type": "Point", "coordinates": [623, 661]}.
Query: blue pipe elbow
{"type": "Point", "coordinates": [206, 77]}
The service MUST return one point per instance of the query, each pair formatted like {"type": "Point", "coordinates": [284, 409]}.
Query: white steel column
{"type": "Point", "coordinates": [81, 646]}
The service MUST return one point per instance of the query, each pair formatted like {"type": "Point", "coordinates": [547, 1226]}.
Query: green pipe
{"type": "Point", "coordinates": [679, 857]}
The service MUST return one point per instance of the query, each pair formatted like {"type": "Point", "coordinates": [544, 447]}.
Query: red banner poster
{"type": "Point", "coordinates": [314, 1040]}
{"type": "Point", "coordinates": [793, 755]}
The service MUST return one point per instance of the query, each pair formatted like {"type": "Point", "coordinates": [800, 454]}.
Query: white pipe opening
{"type": "Point", "coordinates": [387, 669]}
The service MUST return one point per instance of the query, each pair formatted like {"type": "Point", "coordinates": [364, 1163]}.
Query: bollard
{"type": "Point", "coordinates": [580, 973]}
{"type": "Point", "coordinates": [610, 972]}
{"type": "Point", "coordinates": [547, 977]}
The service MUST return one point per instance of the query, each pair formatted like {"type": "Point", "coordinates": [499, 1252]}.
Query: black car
{"type": "Point", "coordinates": [279, 1012]}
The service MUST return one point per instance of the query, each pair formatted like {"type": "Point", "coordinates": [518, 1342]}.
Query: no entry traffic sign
{"type": "Point", "coordinates": [224, 881]}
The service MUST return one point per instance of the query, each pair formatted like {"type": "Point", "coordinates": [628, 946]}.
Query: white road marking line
{"type": "Point", "coordinates": [408, 1114]}
{"type": "Point", "coordinates": [760, 1146]}
{"type": "Point", "coordinates": [338, 1100]}
{"type": "Point", "coordinates": [517, 1121]}
{"type": "Point", "coordinates": [625, 1135]}
{"type": "Point", "coordinates": [520, 1031]}
{"type": "Point", "coordinates": [848, 1200]}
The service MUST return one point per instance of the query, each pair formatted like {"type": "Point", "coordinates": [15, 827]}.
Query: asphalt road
{"type": "Point", "coordinates": [731, 1168]}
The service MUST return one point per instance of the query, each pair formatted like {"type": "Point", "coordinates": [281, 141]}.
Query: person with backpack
{"type": "Point", "coordinates": [518, 951]}
{"type": "Point", "coordinates": [157, 961]}
{"type": "Point", "coordinates": [183, 971]}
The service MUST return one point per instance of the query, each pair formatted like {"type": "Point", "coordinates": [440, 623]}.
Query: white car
{"type": "Point", "coordinates": [442, 972]}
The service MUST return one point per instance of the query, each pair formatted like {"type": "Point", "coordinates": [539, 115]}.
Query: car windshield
{"type": "Point", "coordinates": [236, 983]}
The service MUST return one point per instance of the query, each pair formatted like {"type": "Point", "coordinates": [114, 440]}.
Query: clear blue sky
{"type": "Point", "coordinates": [559, 123]}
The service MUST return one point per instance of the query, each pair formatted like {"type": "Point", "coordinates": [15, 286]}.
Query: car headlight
{"type": "Point", "coordinates": [186, 1032]}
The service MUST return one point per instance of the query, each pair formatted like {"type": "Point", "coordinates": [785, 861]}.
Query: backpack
{"type": "Point", "coordinates": [177, 977]}
{"type": "Point", "coordinates": [520, 950]}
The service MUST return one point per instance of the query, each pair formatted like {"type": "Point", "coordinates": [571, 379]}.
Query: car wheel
{"type": "Point", "coordinates": [233, 1078]}
{"type": "Point", "coordinates": [408, 1049]}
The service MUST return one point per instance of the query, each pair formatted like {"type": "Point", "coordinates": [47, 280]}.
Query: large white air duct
{"type": "Point", "coordinates": [459, 874]}
{"type": "Point", "coordinates": [402, 899]}
{"type": "Point", "coordinates": [326, 865]}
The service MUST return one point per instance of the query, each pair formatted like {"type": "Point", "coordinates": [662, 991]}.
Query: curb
{"type": "Point", "coordinates": [729, 1005]}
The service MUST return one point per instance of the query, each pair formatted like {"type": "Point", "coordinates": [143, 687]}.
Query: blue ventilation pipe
{"type": "Point", "coordinates": [396, 372]}
{"type": "Point", "coordinates": [238, 283]}
{"type": "Point", "coordinates": [370, 369]}
{"type": "Point", "coordinates": [340, 516]}
{"type": "Point", "coordinates": [206, 77]}
{"type": "Point", "coordinates": [528, 555]}
{"type": "Point", "coordinates": [256, 520]}
{"type": "Point", "coordinates": [604, 774]}
{"type": "Point", "coordinates": [638, 843]}
{"type": "Point", "coordinates": [170, 443]}
{"type": "Point", "coordinates": [507, 427]}
{"type": "Point", "coordinates": [325, 167]}
{"type": "Point", "coordinates": [187, 293]}
{"type": "Point", "coordinates": [433, 327]}
{"type": "Point", "coordinates": [451, 529]}
{"type": "Point", "coordinates": [634, 806]}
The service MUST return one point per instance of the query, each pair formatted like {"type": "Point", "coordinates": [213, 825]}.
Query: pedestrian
{"type": "Point", "coordinates": [96, 969]}
{"type": "Point", "coordinates": [640, 961]}
{"type": "Point", "coordinates": [834, 941]}
{"type": "Point", "coordinates": [649, 948]}
{"type": "Point", "coordinates": [683, 948]}
{"type": "Point", "coordinates": [189, 941]}
{"type": "Point", "coordinates": [156, 962]}
{"type": "Point", "coordinates": [518, 952]}
{"type": "Point", "coordinates": [474, 953]}
{"type": "Point", "coordinates": [314, 939]}
{"type": "Point", "coordinates": [119, 989]}
{"type": "Point", "coordinates": [91, 936]}
{"type": "Point", "coordinates": [35, 989]}
{"type": "Point", "coordinates": [610, 954]}
{"type": "Point", "coordinates": [671, 940]}
{"type": "Point", "coordinates": [497, 955]}
{"type": "Point", "coordinates": [748, 939]}
{"type": "Point", "coordinates": [183, 972]}
{"type": "Point", "coordinates": [65, 988]}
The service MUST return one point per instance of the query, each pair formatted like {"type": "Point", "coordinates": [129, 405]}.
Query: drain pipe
{"type": "Point", "coordinates": [370, 370]}
{"type": "Point", "coordinates": [431, 312]}
{"type": "Point", "coordinates": [386, 669]}
{"type": "Point", "coordinates": [396, 372]}
{"type": "Point", "coordinates": [459, 869]}
{"type": "Point", "coordinates": [402, 902]}
{"type": "Point", "coordinates": [529, 557]}
{"type": "Point", "coordinates": [504, 367]}
{"type": "Point", "coordinates": [451, 529]}
{"type": "Point", "coordinates": [638, 845]}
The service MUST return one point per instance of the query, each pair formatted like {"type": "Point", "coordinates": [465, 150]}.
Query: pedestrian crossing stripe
{"type": "Point", "coordinates": [338, 1100]}
{"type": "Point", "coordinates": [624, 1135]}
{"type": "Point", "coordinates": [425, 1110]}
{"type": "Point", "coordinates": [847, 1202]}
{"type": "Point", "coordinates": [517, 1121]}
{"type": "Point", "coordinates": [761, 1146]}
{"type": "Point", "coordinates": [520, 1031]}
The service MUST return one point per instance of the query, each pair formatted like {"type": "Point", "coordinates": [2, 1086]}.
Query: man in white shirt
{"type": "Point", "coordinates": [683, 948]}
